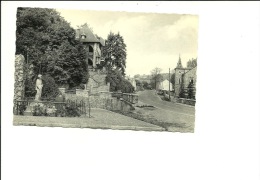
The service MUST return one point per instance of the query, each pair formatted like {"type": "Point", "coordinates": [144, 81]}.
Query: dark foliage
{"type": "Point", "coordinates": [115, 52]}
{"type": "Point", "coordinates": [191, 91]}
{"type": "Point", "coordinates": [50, 88]}
{"type": "Point", "coordinates": [192, 63]}
{"type": "Point", "coordinates": [29, 85]}
{"type": "Point", "coordinates": [48, 42]}
{"type": "Point", "coordinates": [118, 83]}
{"type": "Point", "coordinates": [173, 78]}
{"type": "Point", "coordinates": [71, 111]}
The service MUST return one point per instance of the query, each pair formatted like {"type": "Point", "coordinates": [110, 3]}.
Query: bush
{"type": "Point", "coordinates": [165, 98]}
{"type": "Point", "coordinates": [191, 91]}
{"type": "Point", "coordinates": [72, 111]}
{"type": "Point", "coordinates": [126, 86]}
{"type": "Point", "coordinates": [40, 109]}
{"type": "Point", "coordinates": [50, 88]}
{"type": "Point", "coordinates": [81, 86]}
{"type": "Point", "coordinates": [29, 86]}
{"type": "Point", "coordinates": [182, 93]}
{"type": "Point", "coordinates": [117, 82]}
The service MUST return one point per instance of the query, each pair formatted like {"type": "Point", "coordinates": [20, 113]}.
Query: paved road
{"type": "Point", "coordinates": [169, 111]}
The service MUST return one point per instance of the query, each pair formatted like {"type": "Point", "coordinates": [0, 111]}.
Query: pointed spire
{"type": "Point", "coordinates": [179, 65]}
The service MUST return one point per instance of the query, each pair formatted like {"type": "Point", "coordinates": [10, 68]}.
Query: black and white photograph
{"type": "Point", "coordinates": [100, 90]}
{"type": "Point", "coordinates": [105, 69]}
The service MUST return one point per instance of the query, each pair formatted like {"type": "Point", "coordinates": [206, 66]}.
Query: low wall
{"type": "Point", "coordinates": [81, 92]}
{"type": "Point", "coordinates": [103, 101]}
{"type": "Point", "coordinates": [191, 102]}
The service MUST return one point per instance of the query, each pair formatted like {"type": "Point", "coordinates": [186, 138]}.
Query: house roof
{"type": "Point", "coordinates": [190, 69]}
{"type": "Point", "coordinates": [90, 37]}
{"type": "Point", "coordinates": [102, 41]}
{"type": "Point", "coordinates": [183, 68]}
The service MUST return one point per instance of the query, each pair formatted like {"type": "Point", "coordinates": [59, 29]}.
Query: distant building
{"type": "Point", "coordinates": [183, 78]}
{"type": "Point", "coordinates": [133, 82]}
{"type": "Point", "coordinates": [93, 45]}
{"type": "Point", "coordinates": [164, 85]}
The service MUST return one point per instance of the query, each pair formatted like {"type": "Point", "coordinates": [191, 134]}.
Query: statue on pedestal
{"type": "Point", "coordinates": [38, 88]}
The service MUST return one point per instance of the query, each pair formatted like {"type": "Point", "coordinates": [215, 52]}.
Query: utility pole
{"type": "Point", "coordinates": [87, 53]}
{"type": "Point", "coordinates": [169, 84]}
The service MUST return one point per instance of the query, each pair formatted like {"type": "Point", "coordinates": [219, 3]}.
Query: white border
{"type": "Point", "coordinates": [225, 144]}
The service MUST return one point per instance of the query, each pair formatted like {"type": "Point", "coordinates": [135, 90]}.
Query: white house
{"type": "Point", "coordinates": [164, 85]}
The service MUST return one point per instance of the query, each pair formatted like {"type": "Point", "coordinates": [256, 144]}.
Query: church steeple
{"type": "Point", "coordinates": [179, 65]}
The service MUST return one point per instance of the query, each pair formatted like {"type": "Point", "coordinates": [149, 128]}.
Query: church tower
{"type": "Point", "coordinates": [179, 71]}
{"type": "Point", "coordinates": [179, 65]}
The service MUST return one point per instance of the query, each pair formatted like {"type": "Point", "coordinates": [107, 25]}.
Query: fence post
{"type": "Point", "coordinates": [17, 108]}
{"type": "Point", "coordinates": [88, 108]}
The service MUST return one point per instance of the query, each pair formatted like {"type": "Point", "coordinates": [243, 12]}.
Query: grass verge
{"type": "Point", "coordinates": [146, 118]}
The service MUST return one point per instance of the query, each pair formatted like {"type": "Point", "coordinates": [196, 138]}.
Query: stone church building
{"type": "Point", "coordinates": [183, 78]}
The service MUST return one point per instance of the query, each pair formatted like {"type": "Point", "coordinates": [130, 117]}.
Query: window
{"type": "Point", "coordinates": [191, 80]}
{"type": "Point", "coordinates": [90, 49]}
{"type": "Point", "coordinates": [83, 36]}
{"type": "Point", "coordinates": [90, 62]}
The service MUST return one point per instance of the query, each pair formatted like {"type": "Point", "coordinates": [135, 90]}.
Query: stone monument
{"type": "Point", "coordinates": [38, 88]}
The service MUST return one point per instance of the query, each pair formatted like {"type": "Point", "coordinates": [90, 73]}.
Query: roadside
{"type": "Point", "coordinates": [160, 118]}
{"type": "Point", "coordinates": [171, 116]}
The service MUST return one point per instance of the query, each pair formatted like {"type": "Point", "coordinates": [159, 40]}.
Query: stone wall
{"type": "Point", "coordinates": [81, 92]}
{"type": "Point", "coordinates": [190, 75]}
{"type": "Point", "coordinates": [97, 82]}
{"type": "Point", "coordinates": [182, 78]}
{"type": "Point", "coordinates": [178, 79]}
{"type": "Point", "coordinates": [187, 101]}
{"type": "Point", "coordinates": [102, 101]}
{"type": "Point", "coordinates": [19, 76]}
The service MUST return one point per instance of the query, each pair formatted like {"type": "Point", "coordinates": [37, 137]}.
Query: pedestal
{"type": "Point", "coordinates": [28, 111]}
{"type": "Point", "coordinates": [62, 90]}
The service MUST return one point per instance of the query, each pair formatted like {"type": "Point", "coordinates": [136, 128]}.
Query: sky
{"type": "Point", "coordinates": [152, 39]}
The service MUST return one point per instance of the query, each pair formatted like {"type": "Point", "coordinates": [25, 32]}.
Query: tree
{"type": "Point", "coordinates": [192, 63]}
{"type": "Point", "coordinates": [138, 82]}
{"type": "Point", "coordinates": [137, 76]}
{"type": "Point", "coordinates": [86, 25]}
{"type": "Point", "coordinates": [173, 78]}
{"type": "Point", "coordinates": [67, 65]}
{"type": "Point", "coordinates": [145, 84]}
{"type": "Point", "coordinates": [50, 88]}
{"type": "Point", "coordinates": [48, 43]}
{"type": "Point", "coordinates": [156, 76]}
{"type": "Point", "coordinates": [117, 82]}
{"type": "Point", "coordinates": [115, 52]}
{"type": "Point", "coordinates": [139, 85]}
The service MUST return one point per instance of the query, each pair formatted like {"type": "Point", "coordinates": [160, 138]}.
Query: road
{"type": "Point", "coordinates": [168, 111]}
